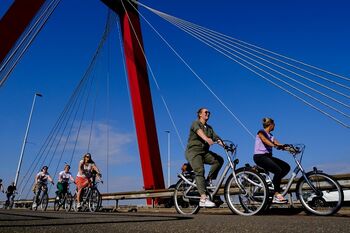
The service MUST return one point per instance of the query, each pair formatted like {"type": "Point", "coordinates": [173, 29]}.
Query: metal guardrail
{"type": "Point", "coordinates": [343, 179]}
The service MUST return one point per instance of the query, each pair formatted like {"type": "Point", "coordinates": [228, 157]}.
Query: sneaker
{"type": "Point", "coordinates": [34, 205]}
{"type": "Point", "coordinates": [79, 205]}
{"type": "Point", "coordinates": [57, 198]}
{"type": "Point", "coordinates": [279, 199]}
{"type": "Point", "coordinates": [206, 203]}
{"type": "Point", "coordinates": [217, 200]}
{"type": "Point", "coordinates": [209, 184]}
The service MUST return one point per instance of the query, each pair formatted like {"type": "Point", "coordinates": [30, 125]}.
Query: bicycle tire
{"type": "Point", "coordinates": [36, 207]}
{"type": "Point", "coordinates": [184, 205]}
{"type": "Point", "coordinates": [68, 202]}
{"type": "Point", "coordinates": [56, 204]}
{"type": "Point", "coordinates": [95, 199]}
{"type": "Point", "coordinates": [253, 196]}
{"type": "Point", "coordinates": [75, 203]}
{"type": "Point", "coordinates": [329, 198]}
{"type": "Point", "coordinates": [44, 201]}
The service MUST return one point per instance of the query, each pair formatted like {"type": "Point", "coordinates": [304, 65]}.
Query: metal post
{"type": "Point", "coordinates": [168, 132]}
{"type": "Point", "coordinates": [25, 138]}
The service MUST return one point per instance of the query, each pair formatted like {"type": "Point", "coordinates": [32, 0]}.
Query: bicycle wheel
{"type": "Point", "coordinates": [68, 202]}
{"type": "Point", "coordinates": [75, 203]}
{"type": "Point", "coordinates": [325, 199]}
{"type": "Point", "coordinates": [57, 204]}
{"type": "Point", "coordinates": [7, 204]}
{"type": "Point", "coordinates": [248, 197]}
{"type": "Point", "coordinates": [94, 200]}
{"type": "Point", "coordinates": [186, 198]}
{"type": "Point", "coordinates": [44, 201]}
{"type": "Point", "coordinates": [34, 205]}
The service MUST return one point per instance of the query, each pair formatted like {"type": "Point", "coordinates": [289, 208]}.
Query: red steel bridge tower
{"type": "Point", "coordinates": [19, 16]}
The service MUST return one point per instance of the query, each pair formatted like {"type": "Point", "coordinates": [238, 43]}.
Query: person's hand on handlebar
{"type": "Point", "coordinates": [280, 147]}
{"type": "Point", "coordinates": [220, 142]}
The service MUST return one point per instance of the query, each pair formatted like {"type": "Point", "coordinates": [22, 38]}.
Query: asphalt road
{"type": "Point", "coordinates": [26, 221]}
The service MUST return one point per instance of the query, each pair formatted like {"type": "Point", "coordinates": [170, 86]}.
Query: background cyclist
{"type": "Point", "coordinates": [264, 142]}
{"type": "Point", "coordinates": [41, 182]}
{"type": "Point", "coordinates": [86, 167]}
{"type": "Point", "coordinates": [63, 180]}
{"type": "Point", "coordinates": [201, 137]}
{"type": "Point", "coordinates": [1, 186]}
{"type": "Point", "coordinates": [10, 191]}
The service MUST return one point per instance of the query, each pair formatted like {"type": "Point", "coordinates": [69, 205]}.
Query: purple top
{"type": "Point", "coordinates": [260, 147]}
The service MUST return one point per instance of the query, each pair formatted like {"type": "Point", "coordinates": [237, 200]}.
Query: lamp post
{"type": "Point", "coordinates": [25, 138]}
{"type": "Point", "coordinates": [168, 132]}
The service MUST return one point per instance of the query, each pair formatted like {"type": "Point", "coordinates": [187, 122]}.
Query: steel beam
{"type": "Point", "coordinates": [15, 21]}
{"type": "Point", "coordinates": [140, 94]}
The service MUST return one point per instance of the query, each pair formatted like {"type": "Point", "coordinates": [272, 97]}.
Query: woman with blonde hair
{"type": "Point", "coordinates": [264, 142]}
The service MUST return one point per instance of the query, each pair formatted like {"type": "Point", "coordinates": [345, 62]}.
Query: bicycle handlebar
{"type": "Point", "coordinates": [229, 146]}
{"type": "Point", "coordinates": [293, 149]}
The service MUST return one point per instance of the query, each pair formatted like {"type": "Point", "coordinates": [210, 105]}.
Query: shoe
{"type": "Point", "coordinates": [209, 184]}
{"type": "Point", "coordinates": [278, 198]}
{"type": "Point", "coordinates": [218, 202]}
{"type": "Point", "coordinates": [34, 205]}
{"type": "Point", "coordinates": [206, 203]}
{"type": "Point", "coordinates": [57, 198]}
{"type": "Point", "coordinates": [79, 205]}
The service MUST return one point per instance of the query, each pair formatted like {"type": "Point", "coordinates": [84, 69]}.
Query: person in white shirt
{"type": "Point", "coordinates": [41, 182]}
{"type": "Point", "coordinates": [63, 180]}
{"type": "Point", "coordinates": [86, 167]}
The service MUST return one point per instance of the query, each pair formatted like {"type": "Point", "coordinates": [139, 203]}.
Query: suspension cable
{"type": "Point", "coordinates": [11, 61]}
{"type": "Point", "coordinates": [197, 76]}
{"type": "Point", "coordinates": [197, 36]}
{"type": "Point", "coordinates": [254, 46]}
{"type": "Point", "coordinates": [212, 38]}
{"type": "Point", "coordinates": [306, 102]}
{"type": "Point", "coordinates": [154, 79]}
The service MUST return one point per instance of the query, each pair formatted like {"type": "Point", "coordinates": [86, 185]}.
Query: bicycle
{"type": "Point", "coordinates": [318, 192]}
{"type": "Point", "coordinates": [90, 198]}
{"type": "Point", "coordinates": [43, 199]}
{"type": "Point", "coordinates": [10, 202]}
{"type": "Point", "coordinates": [63, 199]}
{"type": "Point", "coordinates": [245, 191]}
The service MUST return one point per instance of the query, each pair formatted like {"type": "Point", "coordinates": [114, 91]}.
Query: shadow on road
{"type": "Point", "coordinates": [78, 219]}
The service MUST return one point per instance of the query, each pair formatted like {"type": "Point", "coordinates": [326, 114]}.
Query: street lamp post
{"type": "Point", "coordinates": [25, 138]}
{"type": "Point", "coordinates": [168, 132]}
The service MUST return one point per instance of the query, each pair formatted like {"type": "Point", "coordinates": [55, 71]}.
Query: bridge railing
{"type": "Point", "coordinates": [343, 179]}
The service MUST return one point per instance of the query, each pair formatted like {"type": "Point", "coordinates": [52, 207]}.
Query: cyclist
{"type": "Point", "coordinates": [41, 183]}
{"type": "Point", "coordinates": [201, 137]}
{"type": "Point", "coordinates": [1, 186]}
{"type": "Point", "coordinates": [10, 191]}
{"type": "Point", "coordinates": [63, 180]}
{"type": "Point", "coordinates": [264, 142]}
{"type": "Point", "coordinates": [86, 167]}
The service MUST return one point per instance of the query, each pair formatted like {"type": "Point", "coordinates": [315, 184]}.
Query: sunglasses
{"type": "Point", "coordinates": [207, 112]}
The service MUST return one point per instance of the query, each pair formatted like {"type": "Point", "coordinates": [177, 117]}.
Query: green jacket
{"type": "Point", "coordinates": [195, 143]}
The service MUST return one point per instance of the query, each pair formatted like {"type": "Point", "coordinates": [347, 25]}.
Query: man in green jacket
{"type": "Point", "coordinates": [201, 137]}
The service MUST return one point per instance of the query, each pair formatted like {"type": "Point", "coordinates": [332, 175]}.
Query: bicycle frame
{"type": "Point", "coordinates": [230, 152]}
{"type": "Point", "coordinates": [87, 191]}
{"type": "Point", "coordinates": [298, 168]}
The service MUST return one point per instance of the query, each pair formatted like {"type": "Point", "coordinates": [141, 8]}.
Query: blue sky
{"type": "Point", "coordinates": [316, 32]}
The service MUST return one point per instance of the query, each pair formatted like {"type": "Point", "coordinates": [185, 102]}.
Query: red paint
{"type": "Point", "coordinates": [142, 103]}
{"type": "Point", "coordinates": [140, 95]}
{"type": "Point", "coordinates": [22, 12]}
{"type": "Point", "coordinates": [15, 21]}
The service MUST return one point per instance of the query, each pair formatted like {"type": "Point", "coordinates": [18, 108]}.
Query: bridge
{"type": "Point", "coordinates": [314, 95]}
{"type": "Point", "coordinates": [218, 221]}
